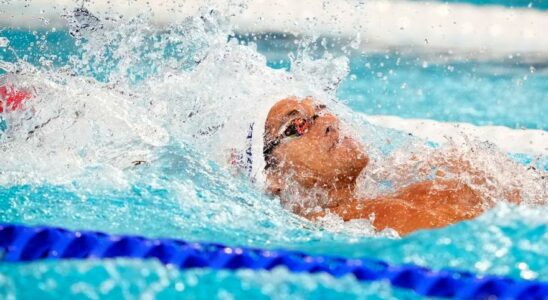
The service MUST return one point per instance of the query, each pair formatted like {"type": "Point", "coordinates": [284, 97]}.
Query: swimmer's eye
{"type": "Point", "coordinates": [296, 127]}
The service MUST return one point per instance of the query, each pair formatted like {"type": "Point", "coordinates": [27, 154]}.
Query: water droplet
{"type": "Point", "coordinates": [4, 42]}
{"type": "Point", "coordinates": [179, 286]}
{"type": "Point", "coordinates": [355, 44]}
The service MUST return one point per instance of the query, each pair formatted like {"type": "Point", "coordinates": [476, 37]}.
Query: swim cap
{"type": "Point", "coordinates": [249, 160]}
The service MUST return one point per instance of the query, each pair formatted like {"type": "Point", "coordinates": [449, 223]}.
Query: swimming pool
{"type": "Point", "coordinates": [137, 93]}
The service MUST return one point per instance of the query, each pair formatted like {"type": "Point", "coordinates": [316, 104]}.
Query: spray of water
{"type": "Point", "coordinates": [135, 90]}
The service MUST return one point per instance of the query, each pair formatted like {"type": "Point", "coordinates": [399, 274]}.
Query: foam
{"type": "Point", "coordinates": [529, 141]}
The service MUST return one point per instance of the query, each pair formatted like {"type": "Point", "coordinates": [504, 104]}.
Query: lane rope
{"type": "Point", "coordinates": [19, 243]}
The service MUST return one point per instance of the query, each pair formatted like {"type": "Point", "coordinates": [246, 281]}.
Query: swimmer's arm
{"type": "Point", "coordinates": [386, 213]}
{"type": "Point", "coordinates": [425, 205]}
{"type": "Point", "coordinates": [448, 163]}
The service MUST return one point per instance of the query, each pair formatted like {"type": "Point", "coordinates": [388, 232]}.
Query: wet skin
{"type": "Point", "coordinates": [320, 157]}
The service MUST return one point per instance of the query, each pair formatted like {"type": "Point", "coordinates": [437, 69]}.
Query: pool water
{"type": "Point", "coordinates": [174, 98]}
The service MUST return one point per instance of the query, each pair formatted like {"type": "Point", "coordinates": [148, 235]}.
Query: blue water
{"type": "Point", "coordinates": [184, 194]}
{"type": "Point", "coordinates": [486, 93]}
{"type": "Point", "coordinates": [502, 242]}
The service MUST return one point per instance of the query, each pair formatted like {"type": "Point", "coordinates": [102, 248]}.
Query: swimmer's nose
{"type": "Point", "coordinates": [330, 124]}
{"type": "Point", "coordinates": [329, 118]}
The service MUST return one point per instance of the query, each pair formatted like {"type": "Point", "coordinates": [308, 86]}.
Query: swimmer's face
{"type": "Point", "coordinates": [302, 138]}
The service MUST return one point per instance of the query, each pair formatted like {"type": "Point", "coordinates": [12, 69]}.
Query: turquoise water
{"type": "Point", "coordinates": [510, 93]}
{"type": "Point", "coordinates": [184, 193]}
{"type": "Point", "coordinates": [509, 241]}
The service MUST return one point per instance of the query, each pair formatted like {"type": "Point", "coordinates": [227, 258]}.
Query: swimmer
{"type": "Point", "coordinates": [307, 158]}
{"type": "Point", "coordinates": [306, 155]}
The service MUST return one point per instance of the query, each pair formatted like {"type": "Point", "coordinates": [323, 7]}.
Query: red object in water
{"type": "Point", "coordinates": [12, 98]}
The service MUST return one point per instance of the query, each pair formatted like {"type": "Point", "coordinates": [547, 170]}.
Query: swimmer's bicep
{"type": "Point", "coordinates": [391, 213]}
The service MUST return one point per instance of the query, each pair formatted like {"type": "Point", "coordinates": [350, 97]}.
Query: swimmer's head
{"type": "Point", "coordinates": [303, 138]}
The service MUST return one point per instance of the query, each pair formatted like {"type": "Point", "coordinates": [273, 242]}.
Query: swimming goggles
{"type": "Point", "coordinates": [294, 128]}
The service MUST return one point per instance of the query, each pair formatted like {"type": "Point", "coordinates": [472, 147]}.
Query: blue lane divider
{"type": "Point", "coordinates": [20, 243]}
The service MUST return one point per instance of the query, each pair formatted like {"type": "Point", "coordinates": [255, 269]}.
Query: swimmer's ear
{"type": "Point", "coordinates": [273, 184]}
